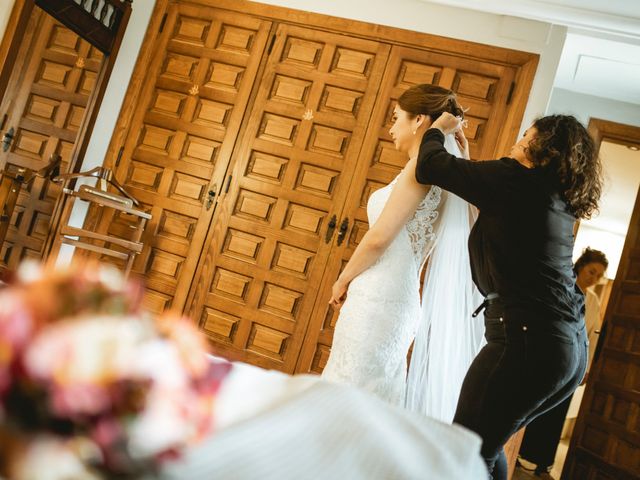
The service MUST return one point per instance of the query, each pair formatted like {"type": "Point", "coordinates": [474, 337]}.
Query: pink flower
{"type": "Point", "coordinates": [82, 360]}
{"type": "Point", "coordinates": [78, 400]}
{"type": "Point", "coordinates": [16, 324]}
{"type": "Point", "coordinates": [190, 343]}
{"type": "Point", "coordinates": [107, 432]}
{"type": "Point", "coordinates": [87, 350]}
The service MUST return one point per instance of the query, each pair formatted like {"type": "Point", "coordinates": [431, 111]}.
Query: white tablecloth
{"type": "Point", "coordinates": [274, 426]}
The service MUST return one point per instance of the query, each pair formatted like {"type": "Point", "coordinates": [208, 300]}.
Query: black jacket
{"type": "Point", "coordinates": [522, 243]}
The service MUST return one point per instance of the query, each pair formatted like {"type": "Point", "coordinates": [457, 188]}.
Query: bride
{"type": "Point", "coordinates": [378, 292]}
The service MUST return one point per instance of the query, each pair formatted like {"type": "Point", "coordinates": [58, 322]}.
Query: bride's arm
{"type": "Point", "coordinates": [403, 201]}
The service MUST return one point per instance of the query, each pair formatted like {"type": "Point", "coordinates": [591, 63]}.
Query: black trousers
{"type": "Point", "coordinates": [528, 366]}
{"type": "Point", "coordinates": [541, 438]}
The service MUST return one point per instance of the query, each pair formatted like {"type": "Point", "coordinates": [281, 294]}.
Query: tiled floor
{"type": "Point", "coordinates": [522, 474]}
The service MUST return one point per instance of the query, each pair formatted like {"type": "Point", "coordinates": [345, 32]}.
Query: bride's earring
{"type": "Point", "coordinates": [414, 132]}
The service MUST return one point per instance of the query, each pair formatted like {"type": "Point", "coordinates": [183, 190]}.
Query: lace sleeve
{"type": "Point", "coordinates": [421, 228]}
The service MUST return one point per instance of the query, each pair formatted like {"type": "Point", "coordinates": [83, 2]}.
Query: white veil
{"type": "Point", "coordinates": [448, 338]}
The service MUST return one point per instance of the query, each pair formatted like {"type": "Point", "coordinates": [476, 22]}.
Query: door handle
{"type": "Point", "coordinates": [211, 195]}
{"type": "Point", "coordinates": [7, 138]}
{"type": "Point", "coordinates": [342, 232]}
{"type": "Point", "coordinates": [330, 228]}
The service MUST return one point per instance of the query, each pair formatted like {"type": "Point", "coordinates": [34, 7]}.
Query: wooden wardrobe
{"type": "Point", "coordinates": [255, 134]}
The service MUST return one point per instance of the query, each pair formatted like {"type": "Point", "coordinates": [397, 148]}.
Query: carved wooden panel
{"type": "Point", "coordinates": [194, 97]}
{"type": "Point", "coordinates": [49, 93]}
{"type": "Point", "coordinates": [291, 171]}
{"type": "Point", "coordinates": [481, 87]}
{"type": "Point", "coordinates": [606, 440]}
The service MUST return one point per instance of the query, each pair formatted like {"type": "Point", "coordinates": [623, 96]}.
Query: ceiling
{"type": "Point", "coordinates": [601, 56]}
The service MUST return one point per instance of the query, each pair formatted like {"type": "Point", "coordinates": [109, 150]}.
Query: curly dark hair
{"type": "Point", "coordinates": [590, 255]}
{"type": "Point", "coordinates": [564, 146]}
{"type": "Point", "coordinates": [432, 100]}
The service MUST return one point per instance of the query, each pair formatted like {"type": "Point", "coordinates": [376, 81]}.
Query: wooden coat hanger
{"type": "Point", "coordinates": [104, 174]}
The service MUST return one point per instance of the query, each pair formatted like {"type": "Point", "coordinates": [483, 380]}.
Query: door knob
{"type": "Point", "coordinates": [211, 195]}
{"type": "Point", "coordinates": [330, 228]}
{"type": "Point", "coordinates": [7, 138]}
{"type": "Point", "coordinates": [342, 232]}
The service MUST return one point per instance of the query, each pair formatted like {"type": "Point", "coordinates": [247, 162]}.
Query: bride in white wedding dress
{"type": "Point", "coordinates": [378, 292]}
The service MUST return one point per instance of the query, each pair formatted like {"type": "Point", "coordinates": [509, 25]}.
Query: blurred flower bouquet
{"type": "Point", "coordinates": [90, 386]}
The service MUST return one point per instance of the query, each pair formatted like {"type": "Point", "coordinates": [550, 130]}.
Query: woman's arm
{"type": "Point", "coordinates": [480, 183]}
{"type": "Point", "coordinates": [401, 205]}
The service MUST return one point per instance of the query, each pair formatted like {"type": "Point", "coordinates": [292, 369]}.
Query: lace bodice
{"type": "Point", "coordinates": [420, 228]}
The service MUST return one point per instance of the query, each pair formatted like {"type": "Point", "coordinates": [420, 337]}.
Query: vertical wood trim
{"type": "Point", "coordinates": [523, 83]}
{"type": "Point", "coordinates": [13, 37]}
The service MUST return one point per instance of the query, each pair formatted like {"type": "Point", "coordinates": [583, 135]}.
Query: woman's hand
{"type": "Point", "coordinates": [463, 143]}
{"type": "Point", "coordinates": [338, 294]}
{"type": "Point", "coordinates": [447, 123]}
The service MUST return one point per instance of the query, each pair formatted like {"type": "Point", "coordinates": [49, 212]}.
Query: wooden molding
{"type": "Point", "coordinates": [13, 36]}
{"type": "Point", "coordinates": [614, 132]}
{"type": "Point", "coordinates": [362, 29]}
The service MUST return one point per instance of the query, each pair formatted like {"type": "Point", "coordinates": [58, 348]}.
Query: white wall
{"type": "Point", "coordinates": [5, 12]}
{"type": "Point", "coordinates": [584, 107]}
{"type": "Point", "coordinates": [499, 30]}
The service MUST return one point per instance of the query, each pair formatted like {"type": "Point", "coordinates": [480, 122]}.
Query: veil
{"type": "Point", "coordinates": [448, 338]}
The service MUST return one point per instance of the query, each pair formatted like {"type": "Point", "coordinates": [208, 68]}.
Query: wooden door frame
{"type": "Point", "coordinates": [13, 37]}
{"type": "Point", "coordinates": [616, 132]}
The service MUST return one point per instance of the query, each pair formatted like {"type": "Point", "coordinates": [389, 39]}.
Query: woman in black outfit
{"type": "Point", "coordinates": [521, 248]}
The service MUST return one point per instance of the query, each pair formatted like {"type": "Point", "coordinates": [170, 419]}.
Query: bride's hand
{"type": "Point", "coordinates": [447, 123]}
{"type": "Point", "coordinates": [463, 143]}
{"type": "Point", "coordinates": [338, 294]}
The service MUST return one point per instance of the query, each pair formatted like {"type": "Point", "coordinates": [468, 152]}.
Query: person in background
{"type": "Point", "coordinates": [542, 435]}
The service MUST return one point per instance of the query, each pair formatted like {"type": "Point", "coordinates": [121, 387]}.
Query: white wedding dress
{"type": "Point", "coordinates": [380, 316]}
{"type": "Point", "coordinates": [383, 312]}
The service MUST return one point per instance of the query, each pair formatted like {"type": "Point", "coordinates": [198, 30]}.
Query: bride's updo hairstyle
{"type": "Point", "coordinates": [432, 100]}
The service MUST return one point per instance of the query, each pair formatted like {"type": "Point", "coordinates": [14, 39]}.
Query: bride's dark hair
{"type": "Point", "coordinates": [432, 100]}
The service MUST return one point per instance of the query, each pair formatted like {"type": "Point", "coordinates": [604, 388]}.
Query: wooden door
{"type": "Point", "coordinates": [44, 105]}
{"type": "Point", "coordinates": [482, 87]}
{"type": "Point", "coordinates": [292, 169]}
{"type": "Point", "coordinates": [175, 157]}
